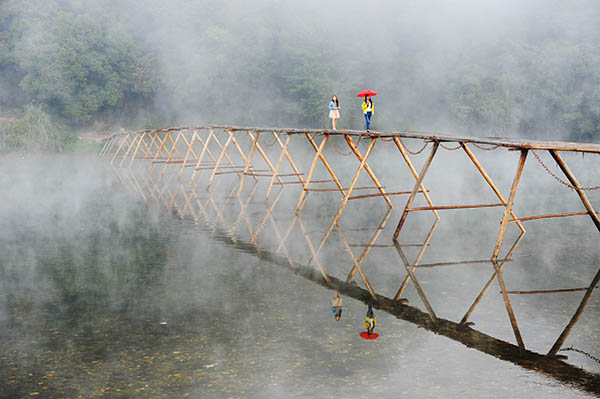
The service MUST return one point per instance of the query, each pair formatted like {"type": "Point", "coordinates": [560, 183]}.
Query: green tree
{"type": "Point", "coordinates": [78, 67]}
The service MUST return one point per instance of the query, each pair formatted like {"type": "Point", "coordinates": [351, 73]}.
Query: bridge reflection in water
{"type": "Point", "coordinates": [297, 241]}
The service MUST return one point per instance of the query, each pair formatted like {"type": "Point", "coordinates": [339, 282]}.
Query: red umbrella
{"type": "Point", "coordinates": [366, 93]}
{"type": "Point", "coordinates": [365, 335]}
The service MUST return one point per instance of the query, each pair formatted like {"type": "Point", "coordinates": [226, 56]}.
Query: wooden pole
{"type": "Point", "coordinates": [412, 169]}
{"type": "Point", "coordinates": [239, 150]}
{"type": "Point", "coordinates": [558, 291]}
{"type": "Point", "coordinates": [507, 304]}
{"type": "Point", "coordinates": [248, 161]}
{"type": "Point", "coordinates": [554, 215]}
{"type": "Point", "coordinates": [277, 166]}
{"type": "Point", "coordinates": [311, 171]}
{"type": "Point", "coordinates": [143, 135]}
{"type": "Point", "coordinates": [104, 146]}
{"type": "Point", "coordinates": [357, 263]}
{"type": "Point", "coordinates": [489, 180]}
{"type": "Point", "coordinates": [417, 258]}
{"type": "Point", "coordinates": [110, 146]}
{"type": "Point", "coordinates": [586, 298]}
{"type": "Point", "coordinates": [148, 148]}
{"type": "Point", "coordinates": [201, 157]}
{"type": "Point", "coordinates": [586, 203]}
{"type": "Point", "coordinates": [264, 156]}
{"type": "Point", "coordinates": [509, 204]}
{"type": "Point", "coordinates": [455, 263]}
{"type": "Point", "coordinates": [313, 251]}
{"type": "Point", "coordinates": [189, 150]}
{"type": "Point", "coordinates": [120, 146]}
{"type": "Point", "coordinates": [355, 179]}
{"type": "Point", "coordinates": [418, 185]}
{"type": "Point", "coordinates": [327, 166]}
{"type": "Point", "coordinates": [368, 247]}
{"type": "Point", "coordinates": [447, 207]}
{"type": "Point", "coordinates": [491, 280]}
{"type": "Point", "coordinates": [368, 169]}
{"type": "Point", "coordinates": [223, 150]}
{"type": "Point", "coordinates": [291, 161]}
{"type": "Point", "coordinates": [418, 287]}
{"type": "Point", "coordinates": [129, 148]}
{"type": "Point", "coordinates": [160, 148]}
{"type": "Point", "coordinates": [171, 153]}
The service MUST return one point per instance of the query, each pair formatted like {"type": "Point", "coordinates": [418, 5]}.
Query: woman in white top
{"type": "Point", "coordinates": [334, 111]}
{"type": "Point", "coordinates": [336, 307]}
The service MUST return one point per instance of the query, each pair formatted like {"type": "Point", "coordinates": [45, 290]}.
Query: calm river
{"type": "Point", "coordinates": [105, 294]}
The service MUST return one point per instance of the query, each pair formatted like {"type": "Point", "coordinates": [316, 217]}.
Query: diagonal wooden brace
{"type": "Point", "coordinates": [509, 204]}
{"type": "Point", "coordinates": [368, 169]}
{"type": "Point", "coordinates": [418, 184]}
{"type": "Point", "coordinates": [489, 181]}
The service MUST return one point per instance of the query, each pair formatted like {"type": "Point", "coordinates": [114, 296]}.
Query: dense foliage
{"type": "Point", "coordinates": [34, 130]}
{"type": "Point", "coordinates": [498, 69]}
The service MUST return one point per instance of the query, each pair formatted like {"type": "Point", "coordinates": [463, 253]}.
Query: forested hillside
{"type": "Point", "coordinates": [501, 68]}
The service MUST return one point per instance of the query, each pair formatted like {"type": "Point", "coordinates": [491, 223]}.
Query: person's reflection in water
{"type": "Point", "coordinates": [336, 306]}
{"type": "Point", "coordinates": [370, 321]}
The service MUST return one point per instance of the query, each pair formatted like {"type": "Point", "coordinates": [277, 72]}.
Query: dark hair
{"type": "Point", "coordinates": [370, 100]}
{"type": "Point", "coordinates": [337, 102]}
{"type": "Point", "coordinates": [338, 315]}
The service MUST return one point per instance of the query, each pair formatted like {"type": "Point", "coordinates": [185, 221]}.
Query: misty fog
{"type": "Point", "coordinates": [125, 282]}
{"type": "Point", "coordinates": [502, 68]}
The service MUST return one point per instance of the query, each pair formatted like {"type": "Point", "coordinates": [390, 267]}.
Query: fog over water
{"type": "Point", "coordinates": [505, 68]}
{"type": "Point", "coordinates": [104, 294]}
{"type": "Point", "coordinates": [116, 283]}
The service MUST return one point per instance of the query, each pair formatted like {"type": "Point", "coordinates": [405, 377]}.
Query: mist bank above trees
{"type": "Point", "coordinates": [500, 68]}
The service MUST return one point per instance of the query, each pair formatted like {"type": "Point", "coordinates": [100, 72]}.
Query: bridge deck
{"type": "Point", "coordinates": [517, 144]}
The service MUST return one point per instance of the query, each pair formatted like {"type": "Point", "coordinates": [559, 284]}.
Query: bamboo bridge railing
{"type": "Point", "coordinates": [246, 152]}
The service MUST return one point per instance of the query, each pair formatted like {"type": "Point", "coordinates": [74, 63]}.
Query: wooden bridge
{"type": "Point", "coordinates": [202, 155]}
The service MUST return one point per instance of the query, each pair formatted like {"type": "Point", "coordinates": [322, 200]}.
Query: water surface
{"type": "Point", "coordinates": [105, 294]}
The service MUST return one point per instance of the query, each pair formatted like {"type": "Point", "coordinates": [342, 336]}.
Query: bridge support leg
{"type": "Point", "coordinates": [284, 152]}
{"type": "Point", "coordinates": [411, 275]}
{"type": "Point", "coordinates": [489, 181]}
{"type": "Point", "coordinates": [248, 161]}
{"type": "Point", "coordinates": [418, 184]}
{"type": "Point", "coordinates": [412, 169]}
{"type": "Point", "coordinates": [355, 179]}
{"type": "Point", "coordinates": [590, 290]}
{"type": "Point", "coordinates": [369, 171]}
{"type": "Point", "coordinates": [264, 156]}
{"type": "Point", "coordinates": [368, 247]}
{"type": "Point", "coordinates": [491, 280]}
{"type": "Point", "coordinates": [160, 149]}
{"type": "Point", "coordinates": [318, 150]}
{"type": "Point", "coordinates": [190, 149]}
{"type": "Point", "coordinates": [142, 137]}
{"type": "Point", "coordinates": [219, 159]}
{"type": "Point", "coordinates": [358, 263]}
{"type": "Point", "coordinates": [205, 150]}
{"type": "Point", "coordinates": [173, 150]}
{"type": "Point", "coordinates": [509, 204]}
{"type": "Point", "coordinates": [123, 141]}
{"type": "Point", "coordinates": [149, 148]}
{"type": "Point", "coordinates": [507, 212]}
{"type": "Point", "coordinates": [109, 147]}
{"type": "Point", "coordinates": [417, 258]}
{"type": "Point", "coordinates": [239, 150]}
{"type": "Point", "coordinates": [134, 140]}
{"type": "Point", "coordinates": [312, 249]}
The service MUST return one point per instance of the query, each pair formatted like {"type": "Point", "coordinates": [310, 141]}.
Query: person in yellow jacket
{"type": "Point", "coordinates": [368, 110]}
{"type": "Point", "coordinates": [370, 321]}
